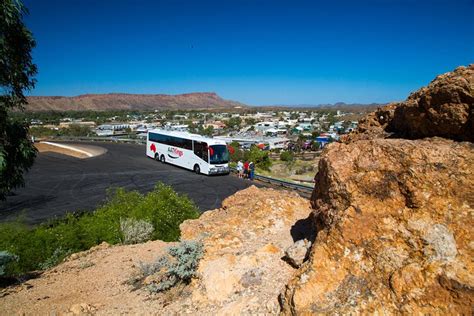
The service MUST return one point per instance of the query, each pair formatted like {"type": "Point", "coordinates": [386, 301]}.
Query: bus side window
{"type": "Point", "coordinates": [200, 150]}
{"type": "Point", "coordinates": [205, 155]}
{"type": "Point", "coordinates": [188, 144]}
{"type": "Point", "coordinates": [197, 149]}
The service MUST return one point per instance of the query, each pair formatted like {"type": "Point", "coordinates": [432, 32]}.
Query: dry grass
{"type": "Point", "coordinates": [299, 170]}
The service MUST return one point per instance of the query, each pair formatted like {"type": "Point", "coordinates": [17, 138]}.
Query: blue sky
{"type": "Point", "coordinates": [257, 52]}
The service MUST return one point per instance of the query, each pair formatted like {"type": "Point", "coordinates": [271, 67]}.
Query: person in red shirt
{"type": "Point", "coordinates": [246, 169]}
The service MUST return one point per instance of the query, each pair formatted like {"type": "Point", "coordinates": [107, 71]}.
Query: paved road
{"type": "Point", "coordinates": [57, 184]}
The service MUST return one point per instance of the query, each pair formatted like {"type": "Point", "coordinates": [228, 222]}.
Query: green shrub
{"type": "Point", "coordinates": [72, 130]}
{"type": "Point", "coordinates": [304, 169]}
{"type": "Point", "coordinates": [236, 153]}
{"type": "Point", "coordinates": [76, 130]}
{"type": "Point", "coordinates": [179, 265]}
{"type": "Point", "coordinates": [5, 259]}
{"type": "Point", "coordinates": [259, 157]}
{"type": "Point", "coordinates": [255, 154]}
{"type": "Point", "coordinates": [58, 255]}
{"type": "Point", "coordinates": [135, 231]}
{"type": "Point", "coordinates": [47, 244]}
{"type": "Point", "coordinates": [286, 156]}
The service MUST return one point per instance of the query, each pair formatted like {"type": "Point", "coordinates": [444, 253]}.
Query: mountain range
{"type": "Point", "coordinates": [123, 101]}
{"type": "Point", "coordinates": [187, 101]}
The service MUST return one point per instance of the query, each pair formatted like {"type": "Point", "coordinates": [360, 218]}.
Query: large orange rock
{"type": "Point", "coordinates": [242, 271]}
{"type": "Point", "coordinates": [444, 108]}
{"type": "Point", "coordinates": [396, 230]}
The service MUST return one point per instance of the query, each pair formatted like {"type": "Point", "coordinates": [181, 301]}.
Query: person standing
{"type": "Point", "coordinates": [240, 169]}
{"type": "Point", "coordinates": [251, 170]}
{"type": "Point", "coordinates": [246, 169]}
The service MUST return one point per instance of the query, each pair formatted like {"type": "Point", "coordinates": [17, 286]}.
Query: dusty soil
{"type": "Point", "coordinates": [86, 283]}
{"type": "Point", "coordinates": [64, 151]}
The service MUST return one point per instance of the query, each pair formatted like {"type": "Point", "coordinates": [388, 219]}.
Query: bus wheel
{"type": "Point", "coordinates": [156, 157]}
{"type": "Point", "coordinates": [197, 169]}
{"type": "Point", "coordinates": [162, 159]}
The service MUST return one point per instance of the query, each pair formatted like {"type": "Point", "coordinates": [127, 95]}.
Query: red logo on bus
{"type": "Point", "coordinates": [153, 148]}
{"type": "Point", "coordinates": [174, 152]}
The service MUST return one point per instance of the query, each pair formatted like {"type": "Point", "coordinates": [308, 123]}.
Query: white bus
{"type": "Point", "coordinates": [190, 151]}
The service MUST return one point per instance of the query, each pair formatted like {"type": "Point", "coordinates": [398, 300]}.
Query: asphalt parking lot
{"type": "Point", "coordinates": [58, 184]}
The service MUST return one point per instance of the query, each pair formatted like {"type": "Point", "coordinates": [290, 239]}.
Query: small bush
{"type": "Point", "coordinates": [5, 259]}
{"type": "Point", "coordinates": [45, 245]}
{"type": "Point", "coordinates": [135, 231]}
{"type": "Point", "coordinates": [304, 170]}
{"type": "Point", "coordinates": [286, 156]}
{"type": "Point", "coordinates": [58, 255]}
{"type": "Point", "coordinates": [179, 265]}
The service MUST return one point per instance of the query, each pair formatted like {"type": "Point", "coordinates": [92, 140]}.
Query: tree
{"type": "Point", "coordinates": [77, 130]}
{"type": "Point", "coordinates": [233, 122]}
{"type": "Point", "coordinates": [250, 121]}
{"type": "Point", "coordinates": [236, 153]}
{"type": "Point", "coordinates": [315, 133]}
{"type": "Point", "coordinates": [259, 157]}
{"type": "Point", "coordinates": [208, 131]}
{"type": "Point", "coordinates": [17, 70]}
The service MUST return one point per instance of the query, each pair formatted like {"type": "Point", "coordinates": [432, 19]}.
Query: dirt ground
{"type": "Point", "coordinates": [98, 276]}
{"type": "Point", "coordinates": [50, 148]}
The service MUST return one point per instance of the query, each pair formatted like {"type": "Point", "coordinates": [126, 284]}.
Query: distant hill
{"type": "Point", "coordinates": [350, 107]}
{"type": "Point", "coordinates": [122, 101]}
{"type": "Point", "coordinates": [329, 105]}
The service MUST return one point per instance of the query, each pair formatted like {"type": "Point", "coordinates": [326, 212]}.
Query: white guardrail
{"type": "Point", "coordinates": [286, 184]}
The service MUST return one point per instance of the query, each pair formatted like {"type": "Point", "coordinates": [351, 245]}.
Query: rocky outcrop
{"type": "Point", "coordinates": [242, 271]}
{"type": "Point", "coordinates": [444, 108]}
{"type": "Point", "coordinates": [394, 216]}
{"type": "Point", "coordinates": [397, 218]}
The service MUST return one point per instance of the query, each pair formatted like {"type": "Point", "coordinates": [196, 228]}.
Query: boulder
{"type": "Point", "coordinates": [395, 219]}
{"type": "Point", "coordinates": [444, 108]}
{"type": "Point", "coordinates": [242, 271]}
{"type": "Point", "coordinates": [394, 211]}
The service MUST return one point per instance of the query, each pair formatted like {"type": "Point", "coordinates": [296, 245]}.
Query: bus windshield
{"type": "Point", "coordinates": [218, 154]}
